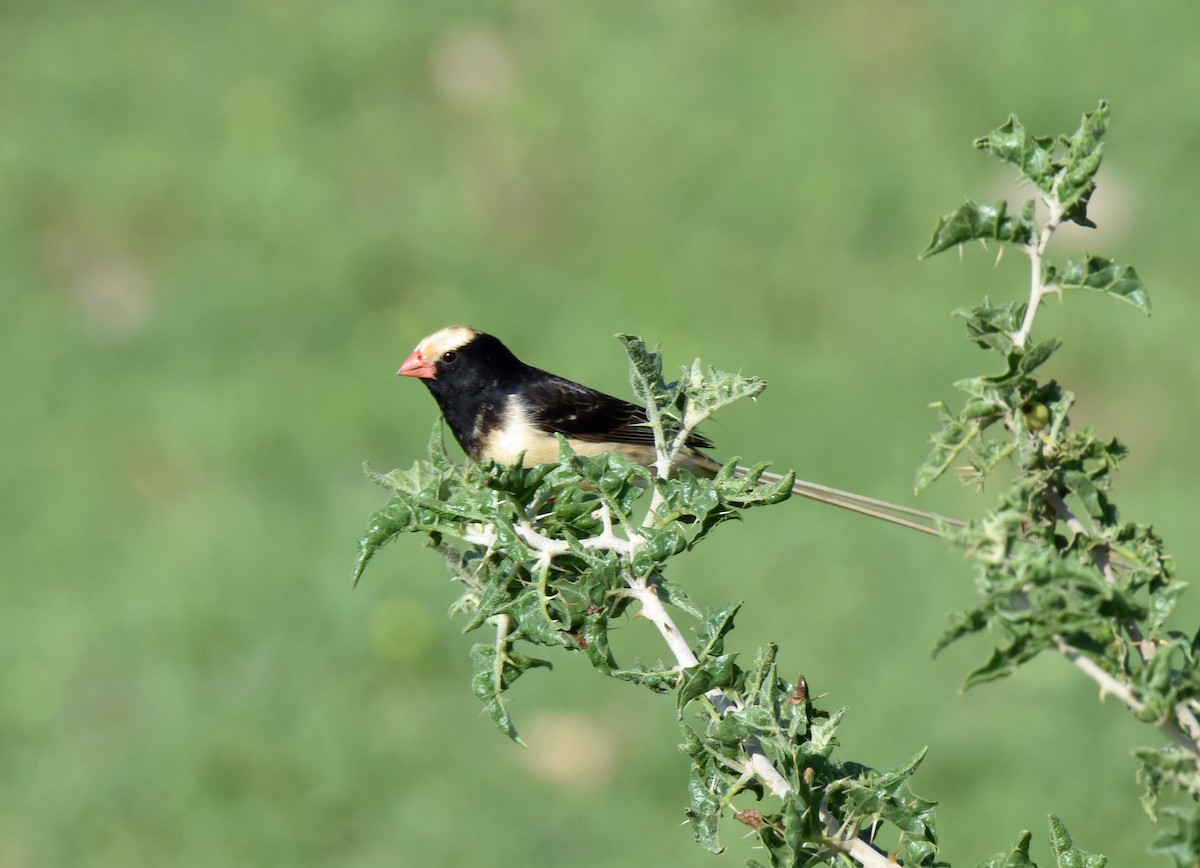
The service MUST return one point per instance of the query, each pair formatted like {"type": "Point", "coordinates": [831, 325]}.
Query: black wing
{"type": "Point", "coordinates": [561, 406]}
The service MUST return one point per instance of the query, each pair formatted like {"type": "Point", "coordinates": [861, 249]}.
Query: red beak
{"type": "Point", "coordinates": [416, 366]}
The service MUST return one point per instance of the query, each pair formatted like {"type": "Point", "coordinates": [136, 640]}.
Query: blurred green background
{"type": "Point", "coordinates": [224, 225]}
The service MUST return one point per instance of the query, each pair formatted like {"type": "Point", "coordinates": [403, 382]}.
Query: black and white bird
{"type": "Point", "coordinates": [500, 408]}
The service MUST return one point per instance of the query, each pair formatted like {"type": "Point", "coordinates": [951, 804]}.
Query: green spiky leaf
{"type": "Point", "coordinates": [1032, 155]}
{"type": "Point", "coordinates": [1066, 854]}
{"type": "Point", "coordinates": [1097, 274]}
{"type": "Point", "coordinates": [981, 222]}
{"type": "Point", "coordinates": [494, 671]}
{"type": "Point", "coordinates": [1017, 857]}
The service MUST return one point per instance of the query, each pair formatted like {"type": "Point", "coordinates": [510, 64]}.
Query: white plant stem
{"type": "Point", "coordinates": [1111, 686]}
{"type": "Point", "coordinates": [1184, 730]}
{"type": "Point", "coordinates": [758, 764]}
{"type": "Point", "coordinates": [1037, 254]}
{"type": "Point", "coordinates": [653, 610]}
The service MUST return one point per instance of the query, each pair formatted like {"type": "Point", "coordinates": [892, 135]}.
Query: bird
{"type": "Point", "coordinates": [500, 409]}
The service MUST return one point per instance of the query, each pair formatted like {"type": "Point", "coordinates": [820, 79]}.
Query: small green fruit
{"type": "Point", "coordinates": [1037, 416]}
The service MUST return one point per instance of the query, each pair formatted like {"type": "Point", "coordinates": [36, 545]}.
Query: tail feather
{"type": "Point", "coordinates": [905, 516]}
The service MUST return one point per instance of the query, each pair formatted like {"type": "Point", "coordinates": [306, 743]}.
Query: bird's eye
{"type": "Point", "coordinates": [449, 357]}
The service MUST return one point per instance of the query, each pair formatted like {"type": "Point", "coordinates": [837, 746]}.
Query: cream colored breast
{"type": "Point", "coordinates": [518, 434]}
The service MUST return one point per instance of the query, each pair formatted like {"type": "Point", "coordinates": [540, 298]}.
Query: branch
{"type": "Point", "coordinates": [1036, 253]}
{"type": "Point", "coordinates": [1186, 726]}
{"type": "Point", "coordinates": [1110, 685]}
{"type": "Point", "coordinates": [1093, 670]}
{"type": "Point", "coordinates": [655, 612]}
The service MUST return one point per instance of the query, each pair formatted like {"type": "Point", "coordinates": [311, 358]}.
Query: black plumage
{"type": "Point", "coordinates": [498, 407]}
{"type": "Point", "coordinates": [501, 409]}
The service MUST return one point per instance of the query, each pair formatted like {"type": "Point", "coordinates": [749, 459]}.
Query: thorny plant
{"type": "Point", "coordinates": [554, 555]}
{"type": "Point", "coordinates": [1057, 568]}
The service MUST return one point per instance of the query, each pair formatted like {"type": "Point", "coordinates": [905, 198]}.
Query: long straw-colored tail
{"type": "Point", "coordinates": [915, 519]}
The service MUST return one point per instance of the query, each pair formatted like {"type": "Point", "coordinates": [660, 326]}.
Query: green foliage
{"type": "Point", "coordinates": [1097, 274]}
{"type": "Point", "coordinates": [1057, 568]}
{"type": "Point", "coordinates": [1066, 854]}
{"type": "Point", "coordinates": [1018, 857]}
{"type": "Point", "coordinates": [970, 222]}
{"type": "Point", "coordinates": [552, 556]}
{"type": "Point", "coordinates": [1064, 173]}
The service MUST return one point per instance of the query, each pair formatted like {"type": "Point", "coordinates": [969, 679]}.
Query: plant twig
{"type": "Point", "coordinates": [1121, 690]}
{"type": "Point", "coordinates": [1037, 253]}
{"type": "Point", "coordinates": [1185, 730]}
